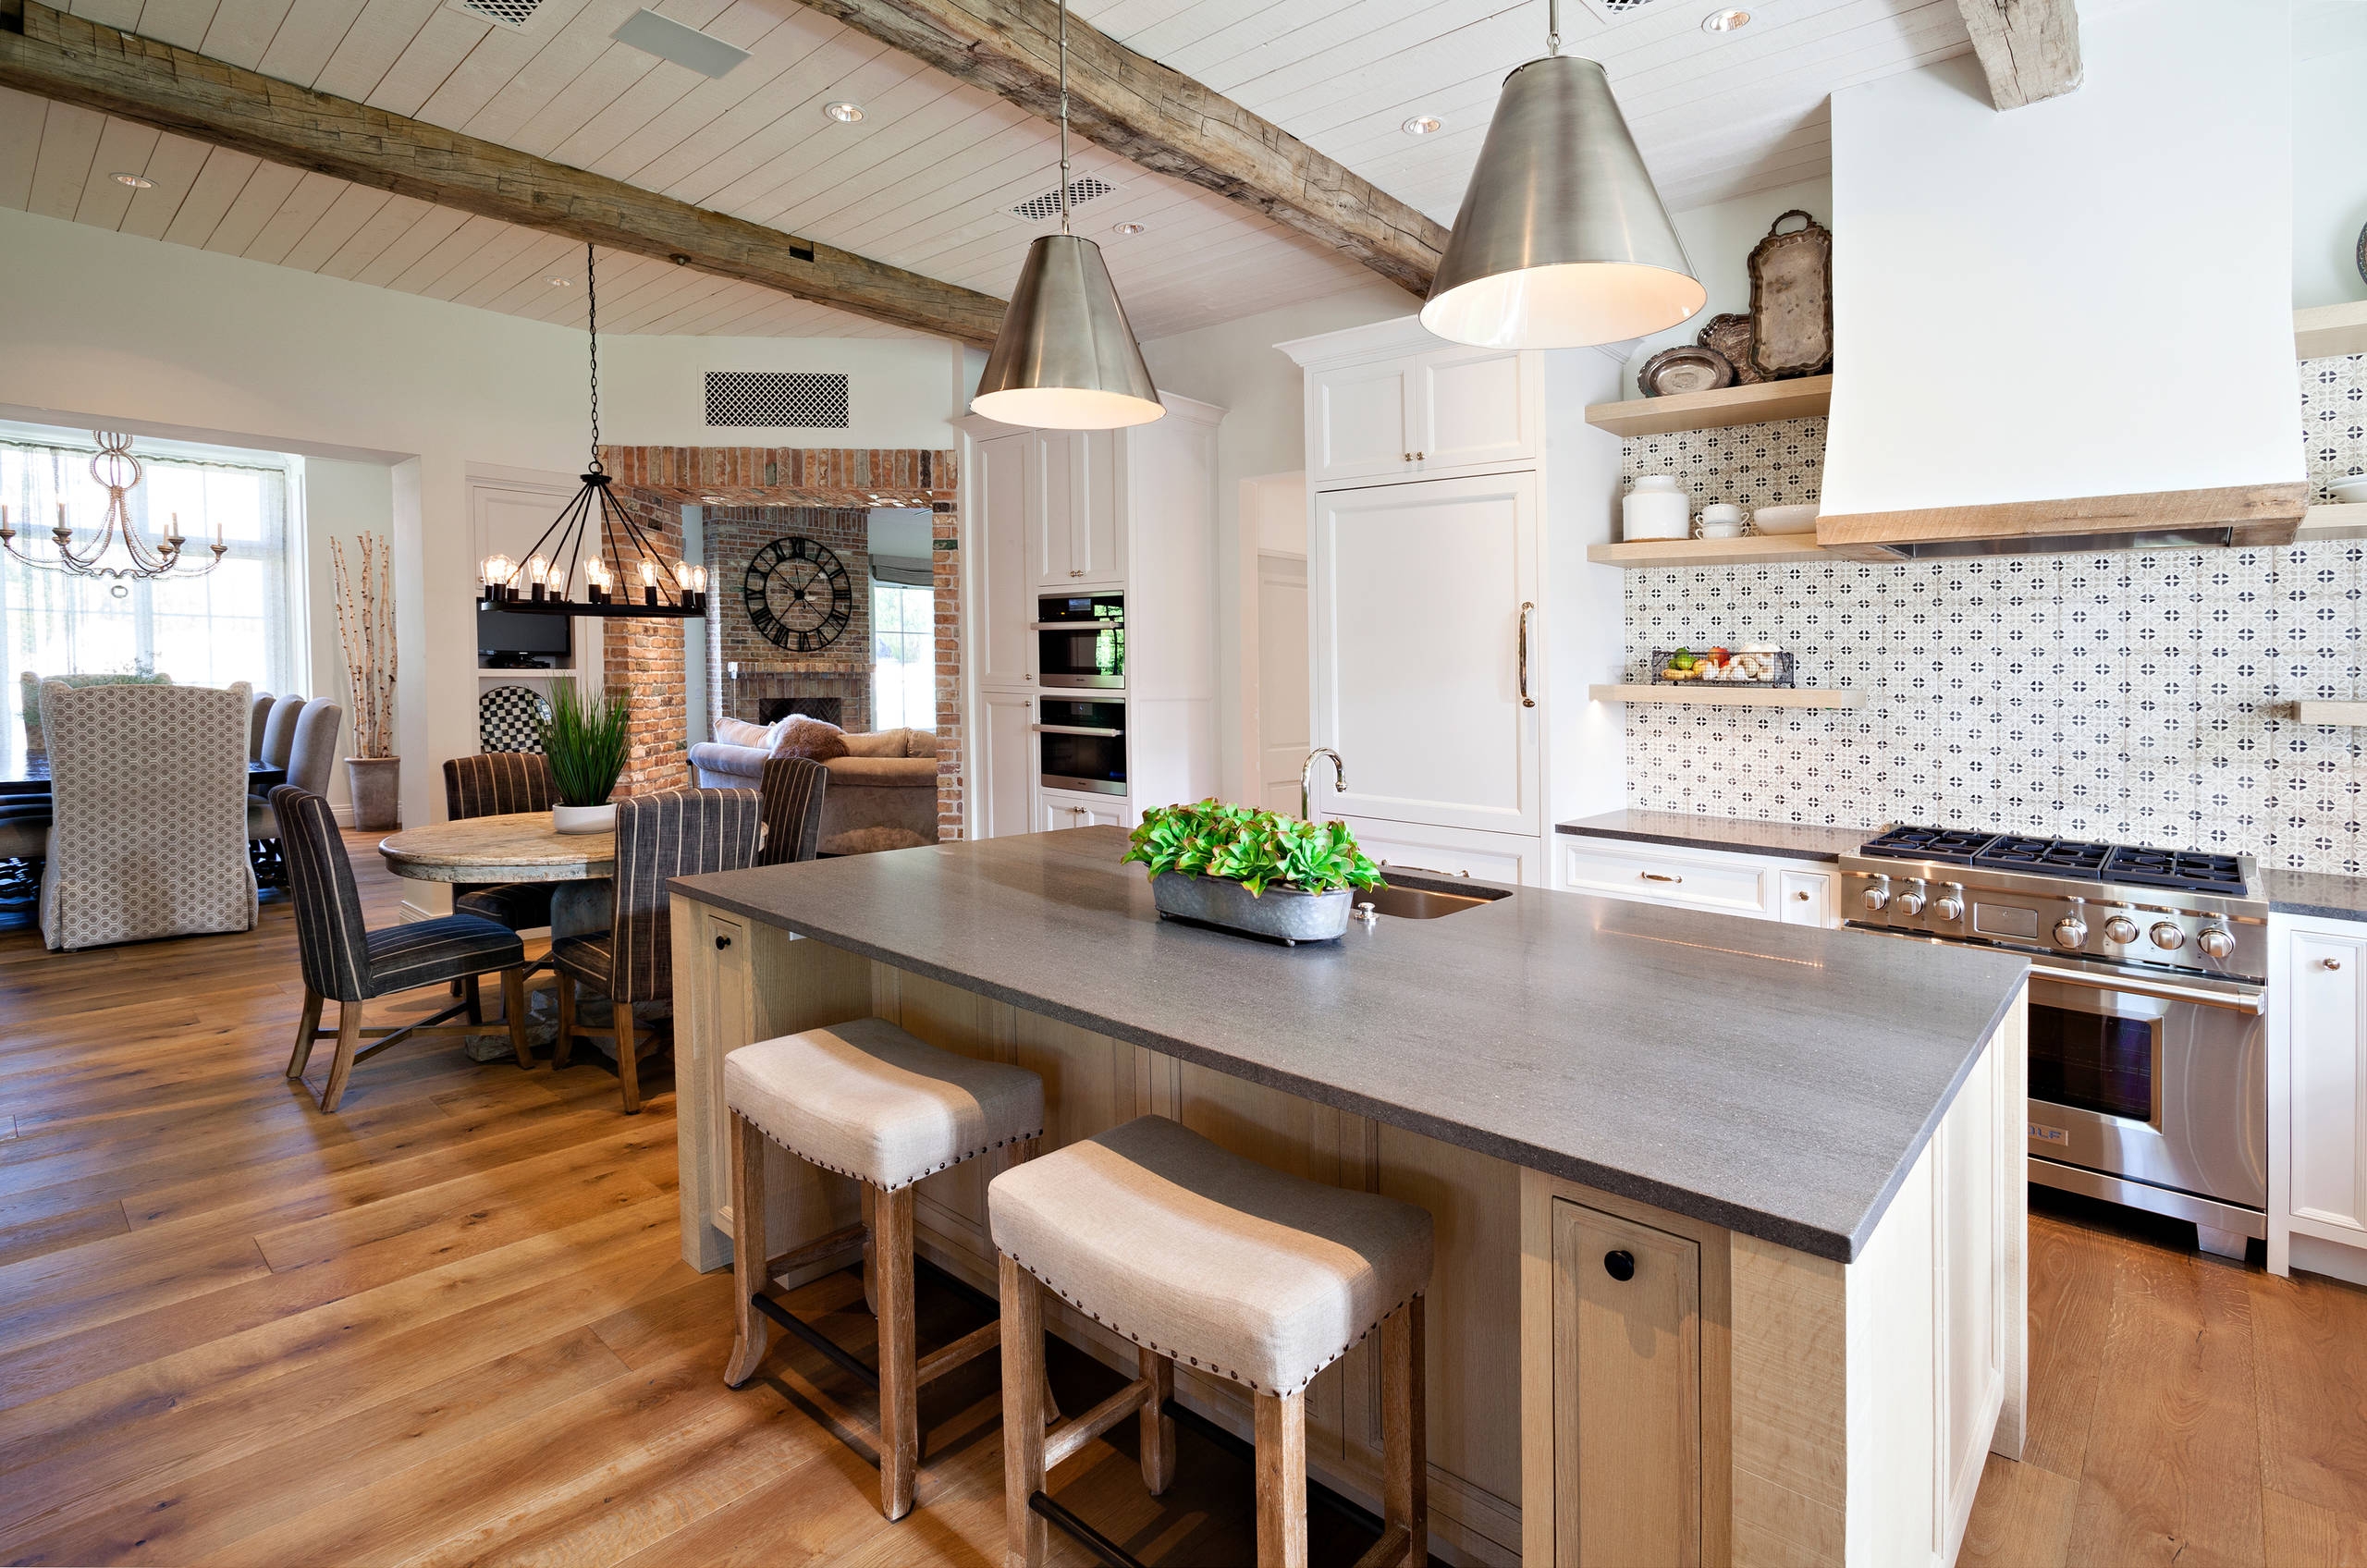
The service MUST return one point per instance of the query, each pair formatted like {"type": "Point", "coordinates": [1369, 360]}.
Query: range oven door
{"type": "Point", "coordinates": [2155, 1089]}
{"type": "Point", "coordinates": [1083, 745]}
{"type": "Point", "coordinates": [1081, 640]}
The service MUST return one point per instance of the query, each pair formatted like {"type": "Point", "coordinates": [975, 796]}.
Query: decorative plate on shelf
{"type": "Point", "coordinates": [1730, 336]}
{"type": "Point", "coordinates": [510, 718]}
{"type": "Point", "coordinates": [1688, 367]}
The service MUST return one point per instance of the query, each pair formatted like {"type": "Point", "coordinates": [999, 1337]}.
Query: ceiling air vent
{"type": "Point", "coordinates": [511, 13]}
{"type": "Point", "coordinates": [1035, 209]}
{"type": "Point", "coordinates": [1610, 11]}
{"type": "Point", "coordinates": [776, 400]}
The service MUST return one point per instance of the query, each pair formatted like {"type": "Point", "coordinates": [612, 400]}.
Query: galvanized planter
{"type": "Point", "coordinates": [1283, 914]}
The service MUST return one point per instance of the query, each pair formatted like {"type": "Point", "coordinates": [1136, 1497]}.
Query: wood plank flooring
{"type": "Point", "coordinates": [451, 1325]}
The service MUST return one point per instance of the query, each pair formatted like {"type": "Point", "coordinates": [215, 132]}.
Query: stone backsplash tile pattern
{"type": "Point", "coordinates": [2125, 695]}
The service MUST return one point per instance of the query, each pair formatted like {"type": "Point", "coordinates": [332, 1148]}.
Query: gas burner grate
{"type": "Point", "coordinates": [1946, 845]}
{"type": "Point", "coordinates": [2183, 870]}
{"type": "Point", "coordinates": [2046, 857]}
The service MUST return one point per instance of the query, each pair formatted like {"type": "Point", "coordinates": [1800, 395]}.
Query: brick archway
{"type": "Point", "coordinates": [654, 482]}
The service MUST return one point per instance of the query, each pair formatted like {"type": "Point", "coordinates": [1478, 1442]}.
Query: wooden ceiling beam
{"type": "Point", "coordinates": [1158, 119]}
{"type": "Point", "coordinates": [70, 60]}
{"type": "Point", "coordinates": [2029, 49]}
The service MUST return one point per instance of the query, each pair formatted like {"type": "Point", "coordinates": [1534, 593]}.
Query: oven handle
{"type": "Point", "coordinates": [2254, 1003]}
{"type": "Point", "coordinates": [1076, 730]}
{"type": "Point", "coordinates": [1075, 625]}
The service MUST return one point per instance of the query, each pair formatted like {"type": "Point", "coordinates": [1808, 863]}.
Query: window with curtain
{"type": "Point", "coordinates": [235, 623]}
{"type": "Point", "coordinates": [904, 656]}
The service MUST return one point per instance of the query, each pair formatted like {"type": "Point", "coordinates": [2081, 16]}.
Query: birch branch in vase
{"type": "Point", "coordinates": [365, 624]}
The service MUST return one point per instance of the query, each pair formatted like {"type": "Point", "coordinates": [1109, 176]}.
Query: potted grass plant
{"type": "Point", "coordinates": [586, 743]}
{"type": "Point", "coordinates": [1251, 870]}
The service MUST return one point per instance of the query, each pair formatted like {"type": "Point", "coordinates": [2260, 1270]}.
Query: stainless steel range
{"type": "Point", "coordinates": [2149, 1082]}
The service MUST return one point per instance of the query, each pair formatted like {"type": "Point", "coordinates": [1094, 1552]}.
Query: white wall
{"type": "Point", "coordinates": [104, 328]}
{"type": "Point", "coordinates": [1718, 240]}
{"type": "Point", "coordinates": [342, 501]}
{"type": "Point", "coordinates": [2329, 132]}
{"type": "Point", "coordinates": [2086, 297]}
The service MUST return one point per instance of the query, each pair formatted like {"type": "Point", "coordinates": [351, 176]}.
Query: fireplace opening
{"type": "Point", "coordinates": [829, 710]}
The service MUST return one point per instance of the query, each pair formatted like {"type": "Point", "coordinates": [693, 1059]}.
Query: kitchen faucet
{"type": "Point", "coordinates": [1306, 776]}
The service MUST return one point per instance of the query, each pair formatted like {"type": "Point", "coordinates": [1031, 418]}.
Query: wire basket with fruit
{"type": "Point", "coordinates": [1725, 667]}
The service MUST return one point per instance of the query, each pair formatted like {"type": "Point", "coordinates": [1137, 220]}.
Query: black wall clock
{"type": "Point", "coordinates": [798, 594]}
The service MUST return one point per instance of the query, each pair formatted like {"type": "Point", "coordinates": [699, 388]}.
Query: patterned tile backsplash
{"type": "Point", "coordinates": [2122, 695]}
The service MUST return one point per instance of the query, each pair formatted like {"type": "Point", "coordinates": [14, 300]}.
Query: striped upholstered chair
{"type": "Point", "coordinates": [501, 784]}
{"type": "Point", "coordinates": [792, 793]}
{"type": "Point", "coordinates": [345, 962]}
{"type": "Point", "coordinates": [680, 833]}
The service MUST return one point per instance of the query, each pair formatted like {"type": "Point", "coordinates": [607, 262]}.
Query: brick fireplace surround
{"type": "Point", "coordinates": [754, 495]}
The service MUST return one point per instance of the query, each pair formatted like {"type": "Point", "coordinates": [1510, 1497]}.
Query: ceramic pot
{"type": "Point", "coordinates": [1283, 914]}
{"type": "Point", "coordinates": [1655, 507]}
{"type": "Point", "coordinates": [585, 819]}
{"type": "Point", "coordinates": [376, 786]}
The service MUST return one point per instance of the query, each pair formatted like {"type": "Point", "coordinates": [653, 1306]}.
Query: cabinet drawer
{"type": "Point", "coordinates": [1807, 897]}
{"type": "Point", "coordinates": [1663, 877]}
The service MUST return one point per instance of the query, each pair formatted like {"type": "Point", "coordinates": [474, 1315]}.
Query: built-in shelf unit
{"type": "Point", "coordinates": [1799, 397]}
{"type": "Point", "coordinates": [1731, 696]}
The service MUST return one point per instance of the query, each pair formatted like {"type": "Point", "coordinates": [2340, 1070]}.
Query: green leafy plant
{"type": "Point", "coordinates": [586, 743]}
{"type": "Point", "coordinates": [1257, 848]}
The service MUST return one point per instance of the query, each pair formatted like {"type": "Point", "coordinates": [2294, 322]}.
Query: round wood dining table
{"type": "Point", "coordinates": [520, 848]}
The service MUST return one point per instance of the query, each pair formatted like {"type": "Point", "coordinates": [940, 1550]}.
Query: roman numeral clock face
{"type": "Point", "coordinates": [798, 595]}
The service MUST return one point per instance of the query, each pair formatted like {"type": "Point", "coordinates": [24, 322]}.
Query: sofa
{"type": "Point", "coordinates": [882, 793]}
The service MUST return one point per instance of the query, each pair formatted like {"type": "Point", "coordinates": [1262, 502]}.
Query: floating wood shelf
{"type": "Point", "coordinates": [1796, 398]}
{"type": "Point", "coordinates": [2320, 332]}
{"type": "Point", "coordinates": [1737, 695]}
{"type": "Point", "coordinates": [2333, 521]}
{"type": "Point", "coordinates": [1751, 549]}
{"type": "Point", "coordinates": [2311, 710]}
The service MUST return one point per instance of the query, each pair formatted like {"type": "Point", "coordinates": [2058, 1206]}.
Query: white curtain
{"type": "Point", "coordinates": [232, 624]}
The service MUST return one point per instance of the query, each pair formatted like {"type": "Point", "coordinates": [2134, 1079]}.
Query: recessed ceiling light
{"type": "Point", "coordinates": [559, 282]}
{"type": "Point", "coordinates": [1724, 22]}
{"type": "Point", "coordinates": [1130, 228]}
{"type": "Point", "coordinates": [1421, 125]}
{"type": "Point", "coordinates": [137, 181]}
{"type": "Point", "coordinates": [843, 112]}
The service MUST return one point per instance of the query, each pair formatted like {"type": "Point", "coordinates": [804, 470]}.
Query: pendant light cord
{"type": "Point", "coordinates": [1552, 27]}
{"type": "Point", "coordinates": [592, 316]}
{"type": "Point", "coordinates": [1064, 114]}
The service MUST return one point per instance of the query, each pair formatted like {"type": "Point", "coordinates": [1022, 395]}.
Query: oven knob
{"type": "Point", "coordinates": [1949, 905]}
{"type": "Point", "coordinates": [1911, 901]}
{"type": "Point", "coordinates": [2168, 937]}
{"type": "Point", "coordinates": [2070, 932]}
{"type": "Point", "coordinates": [2216, 941]}
{"type": "Point", "coordinates": [1878, 895]}
{"type": "Point", "coordinates": [2120, 929]}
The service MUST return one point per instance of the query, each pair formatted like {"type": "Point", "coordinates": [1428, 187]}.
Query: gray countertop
{"type": "Point", "coordinates": [1792, 841]}
{"type": "Point", "coordinates": [1778, 1080]}
{"type": "Point", "coordinates": [2328, 895]}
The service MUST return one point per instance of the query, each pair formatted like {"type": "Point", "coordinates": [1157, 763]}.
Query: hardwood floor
{"type": "Point", "coordinates": [451, 1325]}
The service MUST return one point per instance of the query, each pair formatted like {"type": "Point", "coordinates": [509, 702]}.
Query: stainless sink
{"type": "Point", "coordinates": [1418, 903]}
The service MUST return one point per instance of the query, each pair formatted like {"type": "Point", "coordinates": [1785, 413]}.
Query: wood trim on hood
{"type": "Point", "coordinates": [2250, 515]}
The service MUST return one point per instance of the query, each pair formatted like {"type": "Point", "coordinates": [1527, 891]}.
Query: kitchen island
{"type": "Point", "coordinates": [1809, 1140]}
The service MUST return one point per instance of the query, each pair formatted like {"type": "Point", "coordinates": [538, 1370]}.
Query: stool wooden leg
{"type": "Point", "coordinates": [746, 1158]}
{"type": "Point", "coordinates": [1282, 1480]}
{"type": "Point", "coordinates": [899, 1434]}
{"type": "Point", "coordinates": [513, 1012]}
{"type": "Point", "coordinates": [1023, 1414]}
{"type": "Point", "coordinates": [1021, 1153]}
{"type": "Point", "coordinates": [870, 1250]}
{"type": "Point", "coordinates": [309, 1026]}
{"type": "Point", "coordinates": [1158, 1442]}
{"type": "Point", "coordinates": [1405, 1445]}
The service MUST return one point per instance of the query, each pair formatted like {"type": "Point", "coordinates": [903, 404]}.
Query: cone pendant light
{"type": "Point", "coordinates": [1562, 241]}
{"type": "Point", "coordinates": [1065, 358]}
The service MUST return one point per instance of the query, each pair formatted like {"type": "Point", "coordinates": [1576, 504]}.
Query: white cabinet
{"type": "Point", "coordinates": [2318, 1096]}
{"type": "Point", "coordinates": [1421, 416]}
{"type": "Point", "coordinates": [1061, 808]}
{"type": "Point", "coordinates": [1807, 898]}
{"type": "Point", "coordinates": [1074, 538]}
{"type": "Point", "coordinates": [1757, 887]}
{"type": "Point", "coordinates": [1494, 857]}
{"type": "Point", "coordinates": [1003, 473]}
{"type": "Point", "coordinates": [1428, 651]}
{"type": "Point", "coordinates": [1007, 764]}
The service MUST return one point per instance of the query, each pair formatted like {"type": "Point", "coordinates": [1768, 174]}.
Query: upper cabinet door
{"type": "Point", "coordinates": [1097, 534]}
{"type": "Point", "coordinates": [1472, 408]}
{"type": "Point", "coordinates": [1358, 422]}
{"type": "Point", "coordinates": [1007, 532]}
{"type": "Point", "coordinates": [1423, 596]}
{"type": "Point", "coordinates": [1051, 475]}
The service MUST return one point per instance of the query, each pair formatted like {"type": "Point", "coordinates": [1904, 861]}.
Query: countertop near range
{"type": "Point", "coordinates": [1777, 1080]}
{"type": "Point", "coordinates": [2327, 895]}
{"type": "Point", "coordinates": [1791, 841]}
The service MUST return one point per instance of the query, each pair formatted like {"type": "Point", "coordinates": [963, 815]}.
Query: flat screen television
{"type": "Point", "coordinates": [500, 633]}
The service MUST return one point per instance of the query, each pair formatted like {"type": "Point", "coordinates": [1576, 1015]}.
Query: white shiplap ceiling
{"type": "Point", "coordinates": [928, 179]}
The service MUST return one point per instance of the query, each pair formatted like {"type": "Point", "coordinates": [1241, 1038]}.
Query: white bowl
{"type": "Point", "coordinates": [2351, 492]}
{"type": "Point", "coordinates": [1785, 520]}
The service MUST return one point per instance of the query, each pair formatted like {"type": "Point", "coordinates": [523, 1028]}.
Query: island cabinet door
{"type": "Point", "coordinates": [1627, 1380]}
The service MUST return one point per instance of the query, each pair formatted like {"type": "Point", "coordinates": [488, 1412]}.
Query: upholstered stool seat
{"type": "Point", "coordinates": [868, 1100]}
{"type": "Point", "coordinates": [1203, 1258]}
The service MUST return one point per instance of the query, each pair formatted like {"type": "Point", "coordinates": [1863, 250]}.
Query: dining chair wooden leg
{"type": "Point", "coordinates": [751, 1331]}
{"type": "Point", "coordinates": [899, 1423]}
{"type": "Point", "coordinates": [563, 1047]}
{"type": "Point", "coordinates": [1022, 1307]}
{"type": "Point", "coordinates": [513, 1012]}
{"type": "Point", "coordinates": [470, 995]}
{"type": "Point", "coordinates": [349, 1035]}
{"type": "Point", "coordinates": [1282, 1479]}
{"type": "Point", "coordinates": [306, 1028]}
{"type": "Point", "coordinates": [627, 1038]}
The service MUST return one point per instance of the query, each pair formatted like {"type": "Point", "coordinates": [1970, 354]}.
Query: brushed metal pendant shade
{"type": "Point", "coordinates": [1562, 241]}
{"type": "Point", "coordinates": [1065, 358]}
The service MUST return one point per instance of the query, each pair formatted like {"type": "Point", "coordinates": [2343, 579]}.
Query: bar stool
{"type": "Point", "coordinates": [1200, 1255]}
{"type": "Point", "coordinates": [868, 1100]}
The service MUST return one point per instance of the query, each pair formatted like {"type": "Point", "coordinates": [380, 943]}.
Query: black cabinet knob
{"type": "Point", "coordinates": [1619, 1265]}
{"type": "Point", "coordinates": [721, 943]}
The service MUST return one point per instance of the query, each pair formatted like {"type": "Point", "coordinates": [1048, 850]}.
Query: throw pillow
{"type": "Point", "coordinates": [740, 732]}
{"type": "Point", "coordinates": [798, 736]}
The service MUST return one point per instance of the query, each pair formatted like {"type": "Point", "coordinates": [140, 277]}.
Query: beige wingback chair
{"type": "Point", "coordinates": [148, 837]}
{"type": "Point", "coordinates": [29, 686]}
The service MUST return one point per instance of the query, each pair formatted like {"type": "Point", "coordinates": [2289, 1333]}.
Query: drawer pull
{"type": "Point", "coordinates": [721, 943]}
{"type": "Point", "coordinates": [1619, 1265]}
{"type": "Point", "coordinates": [1802, 895]}
{"type": "Point", "coordinates": [1662, 876]}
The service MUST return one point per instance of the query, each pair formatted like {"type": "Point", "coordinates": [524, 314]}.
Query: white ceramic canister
{"type": "Point", "coordinates": [1655, 507]}
{"type": "Point", "coordinates": [1721, 520]}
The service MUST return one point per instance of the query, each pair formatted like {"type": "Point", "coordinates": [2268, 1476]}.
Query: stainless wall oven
{"type": "Point", "coordinates": [1082, 744]}
{"type": "Point", "coordinates": [1081, 640]}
